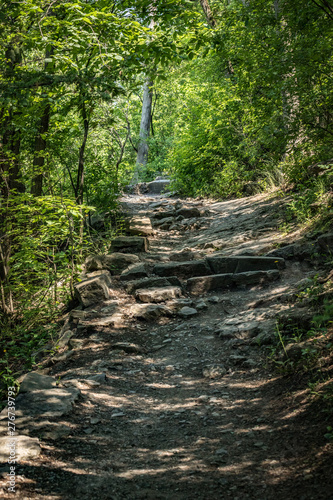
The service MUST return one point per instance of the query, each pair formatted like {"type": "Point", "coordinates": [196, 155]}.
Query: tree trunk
{"type": "Point", "coordinates": [40, 142]}
{"type": "Point", "coordinates": [142, 156]}
{"type": "Point", "coordinates": [208, 13]}
{"type": "Point", "coordinates": [40, 146]}
{"type": "Point", "coordinates": [80, 172]}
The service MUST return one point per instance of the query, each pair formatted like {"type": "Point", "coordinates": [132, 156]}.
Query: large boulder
{"type": "Point", "coordinates": [129, 244]}
{"type": "Point", "coordinates": [158, 186]}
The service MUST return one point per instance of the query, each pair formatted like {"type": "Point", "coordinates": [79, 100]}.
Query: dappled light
{"type": "Point", "coordinates": [166, 248]}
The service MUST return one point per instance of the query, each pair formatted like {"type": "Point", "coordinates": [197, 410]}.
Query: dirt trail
{"type": "Point", "coordinates": [195, 412]}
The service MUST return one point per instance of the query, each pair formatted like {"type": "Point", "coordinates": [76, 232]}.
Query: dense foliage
{"type": "Point", "coordinates": [242, 96]}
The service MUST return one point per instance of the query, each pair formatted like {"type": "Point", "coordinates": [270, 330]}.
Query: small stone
{"type": "Point", "coordinates": [187, 312]}
{"type": "Point", "coordinates": [203, 397]}
{"type": "Point", "coordinates": [237, 359]}
{"type": "Point", "coordinates": [128, 347]}
{"type": "Point", "coordinates": [117, 414]}
{"type": "Point", "coordinates": [214, 299]}
{"type": "Point", "coordinates": [214, 371]}
{"type": "Point", "coordinates": [100, 378]}
{"type": "Point", "coordinates": [94, 420]}
{"type": "Point", "coordinates": [221, 451]}
{"type": "Point", "coordinates": [200, 305]}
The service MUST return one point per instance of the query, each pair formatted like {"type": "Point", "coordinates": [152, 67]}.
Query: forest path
{"type": "Point", "coordinates": [193, 412]}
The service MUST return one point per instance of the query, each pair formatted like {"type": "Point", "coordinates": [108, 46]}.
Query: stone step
{"type": "Point", "coordinates": [134, 285]}
{"type": "Point", "coordinates": [183, 269]}
{"type": "Point", "coordinates": [158, 294]}
{"type": "Point", "coordinates": [115, 262]}
{"type": "Point", "coordinates": [140, 226]}
{"type": "Point", "coordinates": [203, 284]}
{"type": "Point", "coordinates": [136, 271]}
{"type": "Point", "coordinates": [241, 264]}
{"type": "Point", "coordinates": [93, 290]}
{"type": "Point", "coordinates": [129, 244]}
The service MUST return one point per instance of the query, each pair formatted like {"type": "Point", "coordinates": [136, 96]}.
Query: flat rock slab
{"type": "Point", "coordinates": [136, 271]}
{"type": "Point", "coordinates": [152, 283]}
{"type": "Point", "coordinates": [114, 262]}
{"type": "Point", "coordinates": [26, 448]}
{"type": "Point", "coordinates": [241, 264]}
{"type": "Point", "coordinates": [158, 294]}
{"type": "Point", "coordinates": [149, 312]}
{"type": "Point", "coordinates": [183, 269]}
{"type": "Point", "coordinates": [93, 290]}
{"type": "Point", "coordinates": [129, 244]}
{"type": "Point", "coordinates": [255, 277]}
{"type": "Point", "coordinates": [140, 226]}
{"type": "Point", "coordinates": [203, 284]}
{"type": "Point", "coordinates": [36, 381]}
{"type": "Point", "coordinates": [43, 429]}
{"type": "Point", "coordinates": [45, 403]}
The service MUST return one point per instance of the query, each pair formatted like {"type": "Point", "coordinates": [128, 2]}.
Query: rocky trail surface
{"type": "Point", "coordinates": [161, 388]}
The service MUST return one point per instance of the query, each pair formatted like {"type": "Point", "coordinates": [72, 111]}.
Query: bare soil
{"type": "Point", "coordinates": [157, 428]}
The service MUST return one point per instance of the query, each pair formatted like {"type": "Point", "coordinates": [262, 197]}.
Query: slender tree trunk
{"type": "Point", "coordinates": [9, 184]}
{"type": "Point", "coordinates": [40, 146]}
{"type": "Point", "coordinates": [142, 156]}
{"type": "Point", "coordinates": [80, 172]}
{"type": "Point", "coordinates": [208, 13]}
{"type": "Point", "coordinates": [146, 116]}
{"type": "Point", "coordinates": [40, 141]}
